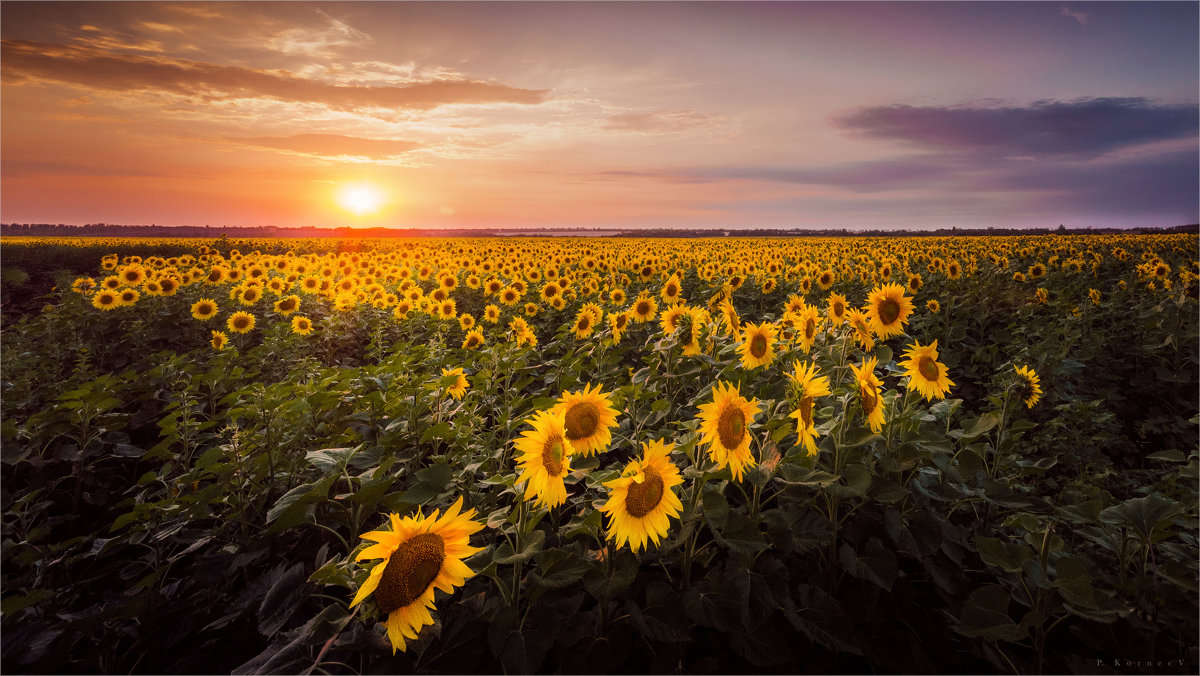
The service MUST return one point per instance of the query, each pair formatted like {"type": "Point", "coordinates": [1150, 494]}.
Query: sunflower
{"type": "Point", "coordinates": [925, 373]}
{"type": "Point", "coordinates": [672, 291]}
{"type": "Point", "coordinates": [474, 339]}
{"type": "Point", "coordinates": [1037, 270]}
{"type": "Point", "coordinates": [105, 300]}
{"type": "Point", "coordinates": [934, 306]}
{"type": "Point", "coordinates": [491, 314]}
{"type": "Point", "coordinates": [288, 305]}
{"type": "Point", "coordinates": [758, 345]}
{"type": "Point", "coordinates": [204, 309]}
{"type": "Point", "coordinates": [420, 554]}
{"type": "Point", "coordinates": [868, 393]}
{"type": "Point", "coordinates": [545, 458]}
{"type": "Point", "coordinates": [466, 321]}
{"type": "Point", "coordinates": [808, 386]}
{"type": "Point", "coordinates": [1029, 386]}
{"type": "Point", "coordinates": [825, 279]}
{"type": "Point", "coordinates": [915, 282]}
{"type": "Point", "coordinates": [550, 291]}
{"type": "Point", "coordinates": [588, 417]}
{"type": "Point", "coordinates": [723, 425]}
{"type": "Point", "coordinates": [641, 502]}
{"type": "Point", "coordinates": [585, 324]}
{"type": "Point", "coordinates": [1094, 295]}
{"type": "Point", "coordinates": [111, 282]}
{"type": "Point", "coordinates": [248, 295]}
{"type": "Point", "coordinates": [240, 322]}
{"type": "Point", "coordinates": [729, 318]}
{"type": "Point", "coordinates": [643, 309]}
{"type": "Point", "coordinates": [455, 382]}
{"type": "Point", "coordinates": [862, 329]}
{"type": "Point", "coordinates": [836, 308]}
{"type": "Point", "coordinates": [809, 322]}
{"type": "Point", "coordinates": [128, 296]}
{"type": "Point", "coordinates": [619, 323]}
{"type": "Point", "coordinates": [218, 340]}
{"type": "Point", "coordinates": [668, 321]}
{"type": "Point", "coordinates": [888, 309]}
{"type": "Point", "coordinates": [510, 295]}
{"type": "Point", "coordinates": [301, 326]}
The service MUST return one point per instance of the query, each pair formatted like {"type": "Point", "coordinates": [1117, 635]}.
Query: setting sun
{"type": "Point", "coordinates": [360, 198]}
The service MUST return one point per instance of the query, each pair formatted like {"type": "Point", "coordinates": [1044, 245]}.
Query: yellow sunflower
{"type": "Point", "coordinates": [758, 345]}
{"type": "Point", "coordinates": [1029, 385]}
{"type": "Point", "coordinates": [128, 296]}
{"type": "Point", "coordinates": [729, 317]}
{"type": "Point", "coordinates": [219, 340]}
{"type": "Point", "coordinates": [643, 309]}
{"type": "Point", "coordinates": [641, 502]}
{"type": "Point", "coordinates": [204, 309]}
{"type": "Point", "coordinates": [301, 326]}
{"type": "Point", "coordinates": [105, 300]}
{"type": "Point", "coordinates": [473, 340]}
{"type": "Point", "coordinates": [672, 291]}
{"type": "Point", "coordinates": [924, 372]}
{"type": "Point", "coordinates": [491, 314]}
{"type": "Point", "coordinates": [669, 319]}
{"type": "Point", "coordinates": [837, 308]}
{"type": "Point", "coordinates": [888, 309]}
{"type": "Point", "coordinates": [809, 322]}
{"type": "Point", "coordinates": [545, 458]}
{"type": "Point", "coordinates": [869, 394]}
{"type": "Point", "coordinates": [240, 322]}
{"type": "Point", "coordinates": [723, 425]}
{"type": "Point", "coordinates": [585, 324]}
{"type": "Point", "coordinates": [419, 554]}
{"type": "Point", "coordinates": [934, 306]}
{"type": "Point", "coordinates": [619, 323]}
{"type": "Point", "coordinates": [862, 329]}
{"type": "Point", "coordinates": [808, 386]}
{"type": "Point", "coordinates": [588, 417]}
{"type": "Point", "coordinates": [455, 382]}
{"type": "Point", "coordinates": [288, 305]}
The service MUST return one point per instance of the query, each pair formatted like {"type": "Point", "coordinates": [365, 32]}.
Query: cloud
{"type": "Point", "coordinates": [1081, 17]}
{"type": "Point", "coordinates": [29, 62]}
{"type": "Point", "coordinates": [1085, 127]}
{"type": "Point", "coordinates": [331, 145]}
{"type": "Point", "coordinates": [661, 121]}
{"type": "Point", "coordinates": [319, 42]}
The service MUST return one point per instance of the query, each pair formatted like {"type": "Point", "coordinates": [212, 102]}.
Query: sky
{"type": "Point", "coordinates": [605, 115]}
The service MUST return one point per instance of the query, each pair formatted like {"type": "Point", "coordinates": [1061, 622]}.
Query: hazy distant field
{"type": "Point", "coordinates": [720, 455]}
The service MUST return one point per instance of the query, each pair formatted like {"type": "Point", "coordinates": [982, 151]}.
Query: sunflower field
{"type": "Point", "coordinates": [850, 455]}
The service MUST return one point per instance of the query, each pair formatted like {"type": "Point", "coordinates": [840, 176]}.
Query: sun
{"type": "Point", "coordinates": [360, 198]}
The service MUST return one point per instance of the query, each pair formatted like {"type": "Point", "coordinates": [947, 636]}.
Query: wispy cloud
{"type": "Point", "coordinates": [1081, 17]}
{"type": "Point", "coordinates": [331, 146]}
{"type": "Point", "coordinates": [661, 121]}
{"type": "Point", "coordinates": [324, 41]}
{"type": "Point", "coordinates": [1086, 127]}
{"type": "Point", "coordinates": [90, 68]}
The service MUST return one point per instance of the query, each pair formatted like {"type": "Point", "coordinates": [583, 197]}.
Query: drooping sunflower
{"type": "Point", "coordinates": [758, 345]}
{"type": "Point", "coordinates": [925, 373]}
{"type": "Point", "coordinates": [723, 426]}
{"type": "Point", "coordinates": [545, 458]}
{"type": "Point", "coordinates": [588, 418]}
{"type": "Point", "coordinates": [420, 554]}
{"type": "Point", "coordinates": [455, 382]}
{"type": "Point", "coordinates": [219, 340]}
{"type": "Point", "coordinates": [240, 322]}
{"type": "Point", "coordinates": [808, 386]}
{"type": "Point", "coordinates": [474, 339]}
{"type": "Point", "coordinates": [1029, 386]}
{"type": "Point", "coordinates": [204, 309]}
{"type": "Point", "coordinates": [837, 308]}
{"type": "Point", "coordinates": [301, 326]}
{"type": "Point", "coordinates": [869, 395]}
{"type": "Point", "coordinates": [809, 322]}
{"type": "Point", "coordinates": [729, 318]}
{"type": "Point", "coordinates": [888, 309]}
{"type": "Point", "coordinates": [643, 309]}
{"type": "Point", "coordinates": [642, 501]}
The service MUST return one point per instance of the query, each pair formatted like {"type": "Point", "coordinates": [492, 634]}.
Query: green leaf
{"type": "Point", "coordinates": [1149, 516]}
{"type": "Point", "coordinates": [532, 545]}
{"type": "Point", "coordinates": [716, 508]}
{"type": "Point", "coordinates": [1009, 557]}
{"type": "Point", "coordinates": [876, 563]}
{"type": "Point", "coordinates": [439, 431]}
{"type": "Point", "coordinates": [985, 615]}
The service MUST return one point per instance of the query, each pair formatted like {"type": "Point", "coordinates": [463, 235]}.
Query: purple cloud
{"type": "Point", "coordinates": [1081, 17]}
{"type": "Point", "coordinates": [1086, 127]}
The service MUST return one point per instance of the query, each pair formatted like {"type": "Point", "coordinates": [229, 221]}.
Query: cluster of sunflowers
{"type": "Point", "coordinates": [426, 553]}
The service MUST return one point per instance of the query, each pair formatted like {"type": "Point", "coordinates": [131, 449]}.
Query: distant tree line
{"type": "Point", "coordinates": [270, 231]}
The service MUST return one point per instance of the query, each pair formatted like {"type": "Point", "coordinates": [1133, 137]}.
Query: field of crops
{"type": "Point", "coordinates": [590, 455]}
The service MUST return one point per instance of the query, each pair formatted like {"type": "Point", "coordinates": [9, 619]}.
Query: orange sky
{"type": "Point", "coordinates": [600, 114]}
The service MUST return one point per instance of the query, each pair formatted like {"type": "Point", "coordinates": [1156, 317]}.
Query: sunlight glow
{"type": "Point", "coordinates": [360, 198]}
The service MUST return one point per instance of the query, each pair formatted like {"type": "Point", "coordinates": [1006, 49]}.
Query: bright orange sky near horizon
{"type": "Point", "coordinates": [466, 115]}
